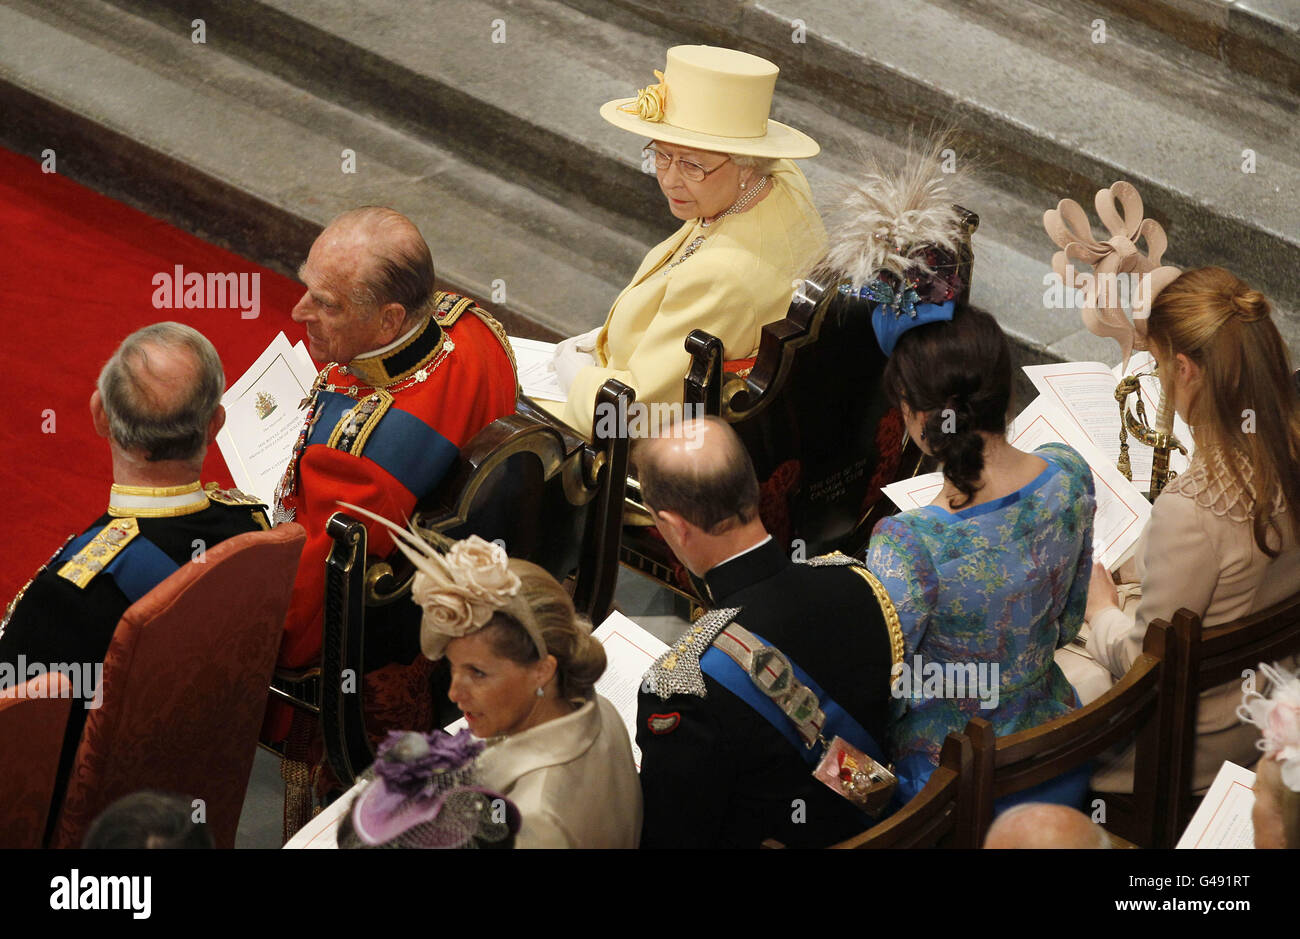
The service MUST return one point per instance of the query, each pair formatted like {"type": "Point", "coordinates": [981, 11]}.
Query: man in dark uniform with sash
{"type": "Point", "coordinates": [159, 404]}
{"type": "Point", "coordinates": [721, 766]}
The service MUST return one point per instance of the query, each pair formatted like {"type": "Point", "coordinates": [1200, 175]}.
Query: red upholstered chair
{"type": "Point", "coordinates": [32, 719]}
{"type": "Point", "coordinates": [185, 686]}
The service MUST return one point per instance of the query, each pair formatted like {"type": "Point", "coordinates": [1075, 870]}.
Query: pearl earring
{"type": "Point", "coordinates": [744, 186]}
{"type": "Point", "coordinates": [541, 693]}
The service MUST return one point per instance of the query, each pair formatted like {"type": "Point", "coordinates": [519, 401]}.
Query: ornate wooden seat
{"type": "Point", "coordinates": [821, 433]}
{"type": "Point", "coordinates": [544, 492]}
{"type": "Point", "coordinates": [1141, 703]}
{"type": "Point", "coordinates": [1207, 658]}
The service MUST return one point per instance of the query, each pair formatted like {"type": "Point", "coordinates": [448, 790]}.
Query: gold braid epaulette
{"type": "Point", "coordinates": [887, 608]}
{"type": "Point", "coordinates": [448, 308]}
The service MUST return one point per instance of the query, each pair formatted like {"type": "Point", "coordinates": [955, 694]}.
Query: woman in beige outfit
{"type": "Point", "coordinates": [1222, 538]}
{"type": "Point", "coordinates": [523, 672]}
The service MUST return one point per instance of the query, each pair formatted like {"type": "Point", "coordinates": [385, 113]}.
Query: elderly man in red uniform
{"type": "Point", "coordinates": [413, 374]}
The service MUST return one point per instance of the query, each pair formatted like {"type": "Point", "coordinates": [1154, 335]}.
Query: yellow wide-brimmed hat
{"type": "Point", "coordinates": [712, 99]}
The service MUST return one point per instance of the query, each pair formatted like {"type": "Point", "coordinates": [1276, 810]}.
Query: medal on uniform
{"type": "Point", "coordinates": [849, 772]}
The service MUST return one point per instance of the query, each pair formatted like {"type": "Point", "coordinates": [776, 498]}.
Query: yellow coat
{"type": "Point", "coordinates": [740, 279]}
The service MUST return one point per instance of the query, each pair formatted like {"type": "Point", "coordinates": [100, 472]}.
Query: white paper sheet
{"type": "Point", "coordinates": [1122, 511]}
{"type": "Point", "coordinates": [262, 417]}
{"type": "Point", "coordinates": [536, 363]}
{"type": "Point", "coordinates": [1085, 391]}
{"type": "Point", "coordinates": [1223, 820]}
{"type": "Point", "coordinates": [629, 653]}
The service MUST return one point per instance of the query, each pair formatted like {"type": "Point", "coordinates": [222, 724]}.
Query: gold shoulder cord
{"type": "Point", "coordinates": [892, 622]}
{"type": "Point", "coordinates": [490, 321]}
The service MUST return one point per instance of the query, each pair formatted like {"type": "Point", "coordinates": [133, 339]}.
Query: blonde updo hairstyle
{"type": "Point", "coordinates": [580, 659]}
{"type": "Point", "coordinates": [1224, 326]}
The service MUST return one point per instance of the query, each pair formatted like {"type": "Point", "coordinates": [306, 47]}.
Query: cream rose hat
{"type": "Point", "coordinates": [461, 590]}
{"type": "Point", "coordinates": [713, 99]}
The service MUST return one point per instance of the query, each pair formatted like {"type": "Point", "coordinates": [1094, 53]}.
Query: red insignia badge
{"type": "Point", "coordinates": [663, 723]}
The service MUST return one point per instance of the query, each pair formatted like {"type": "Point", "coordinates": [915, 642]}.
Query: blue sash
{"type": "Point", "coordinates": [137, 569]}
{"type": "Point", "coordinates": [723, 669]}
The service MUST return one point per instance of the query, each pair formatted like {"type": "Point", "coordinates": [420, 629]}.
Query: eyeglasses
{"type": "Point", "coordinates": [690, 170]}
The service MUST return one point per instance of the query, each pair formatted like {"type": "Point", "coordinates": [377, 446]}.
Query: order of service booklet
{"type": "Point", "coordinates": [263, 419]}
{"type": "Point", "coordinates": [535, 360]}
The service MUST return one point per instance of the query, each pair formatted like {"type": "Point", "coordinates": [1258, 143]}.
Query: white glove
{"type": "Point", "coordinates": [573, 355]}
{"type": "Point", "coordinates": [586, 342]}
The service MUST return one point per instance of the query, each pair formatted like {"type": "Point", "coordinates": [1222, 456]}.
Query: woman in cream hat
{"type": "Point", "coordinates": [749, 228]}
{"type": "Point", "coordinates": [523, 672]}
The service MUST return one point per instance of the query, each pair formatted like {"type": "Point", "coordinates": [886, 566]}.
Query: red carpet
{"type": "Point", "coordinates": [77, 271]}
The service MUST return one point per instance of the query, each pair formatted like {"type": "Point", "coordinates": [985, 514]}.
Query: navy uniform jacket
{"type": "Point", "coordinates": [54, 621]}
{"type": "Point", "coordinates": [714, 772]}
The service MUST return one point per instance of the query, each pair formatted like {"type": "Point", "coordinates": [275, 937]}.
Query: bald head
{"type": "Point", "coordinates": [1038, 825]}
{"type": "Point", "coordinates": [369, 279]}
{"type": "Point", "coordinates": [383, 256]}
{"type": "Point", "coordinates": [701, 472]}
{"type": "Point", "coordinates": [160, 392]}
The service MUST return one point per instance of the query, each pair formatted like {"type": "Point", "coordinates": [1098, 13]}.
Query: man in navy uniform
{"type": "Point", "coordinates": [716, 772]}
{"type": "Point", "coordinates": [158, 402]}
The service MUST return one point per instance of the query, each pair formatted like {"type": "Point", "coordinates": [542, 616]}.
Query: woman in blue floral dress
{"type": "Point", "coordinates": [991, 578]}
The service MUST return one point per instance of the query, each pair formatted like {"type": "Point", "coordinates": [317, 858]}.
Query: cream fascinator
{"type": "Point", "coordinates": [1278, 719]}
{"type": "Point", "coordinates": [461, 590]}
{"type": "Point", "coordinates": [1118, 256]}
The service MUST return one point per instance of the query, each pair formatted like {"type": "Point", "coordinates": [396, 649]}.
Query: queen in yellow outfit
{"type": "Point", "coordinates": [750, 229]}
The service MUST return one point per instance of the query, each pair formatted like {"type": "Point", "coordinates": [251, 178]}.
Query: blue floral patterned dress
{"type": "Point", "coordinates": [986, 595]}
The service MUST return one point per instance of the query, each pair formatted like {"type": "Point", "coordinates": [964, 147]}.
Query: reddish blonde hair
{"type": "Point", "coordinates": [1224, 326]}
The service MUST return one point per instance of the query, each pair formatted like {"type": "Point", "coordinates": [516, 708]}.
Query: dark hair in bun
{"type": "Point", "coordinates": [959, 373]}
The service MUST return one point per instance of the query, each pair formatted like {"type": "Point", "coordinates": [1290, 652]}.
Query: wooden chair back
{"type": "Point", "coordinates": [941, 815]}
{"type": "Point", "coordinates": [820, 430]}
{"type": "Point", "coordinates": [1212, 657]}
{"type": "Point", "coordinates": [1140, 704]}
{"type": "Point", "coordinates": [547, 494]}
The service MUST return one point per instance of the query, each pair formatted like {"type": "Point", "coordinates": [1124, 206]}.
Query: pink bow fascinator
{"type": "Point", "coordinates": [461, 590]}
{"type": "Point", "coordinates": [1118, 256]}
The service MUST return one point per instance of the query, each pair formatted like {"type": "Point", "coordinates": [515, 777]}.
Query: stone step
{"type": "Point", "coordinates": [1260, 38]}
{"type": "Point", "coordinates": [529, 116]}
{"type": "Point", "coordinates": [528, 105]}
{"type": "Point", "coordinates": [543, 126]}
{"type": "Point", "coordinates": [1028, 89]}
{"type": "Point", "coordinates": [202, 138]}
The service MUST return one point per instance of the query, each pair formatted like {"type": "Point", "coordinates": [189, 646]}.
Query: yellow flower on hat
{"type": "Point", "coordinates": [651, 101]}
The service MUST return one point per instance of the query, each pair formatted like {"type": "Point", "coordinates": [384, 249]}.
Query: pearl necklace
{"type": "Point", "coordinates": [735, 207]}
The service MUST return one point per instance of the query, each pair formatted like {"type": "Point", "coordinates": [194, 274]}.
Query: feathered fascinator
{"type": "Point", "coordinates": [1278, 719]}
{"type": "Point", "coordinates": [459, 591]}
{"type": "Point", "coordinates": [895, 242]}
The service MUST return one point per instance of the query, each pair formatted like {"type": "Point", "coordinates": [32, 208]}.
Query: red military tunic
{"type": "Point", "coordinates": [384, 431]}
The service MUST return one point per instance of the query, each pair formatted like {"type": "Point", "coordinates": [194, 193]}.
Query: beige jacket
{"type": "Point", "coordinates": [572, 778]}
{"type": "Point", "coordinates": [1198, 552]}
{"type": "Point", "coordinates": [737, 281]}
